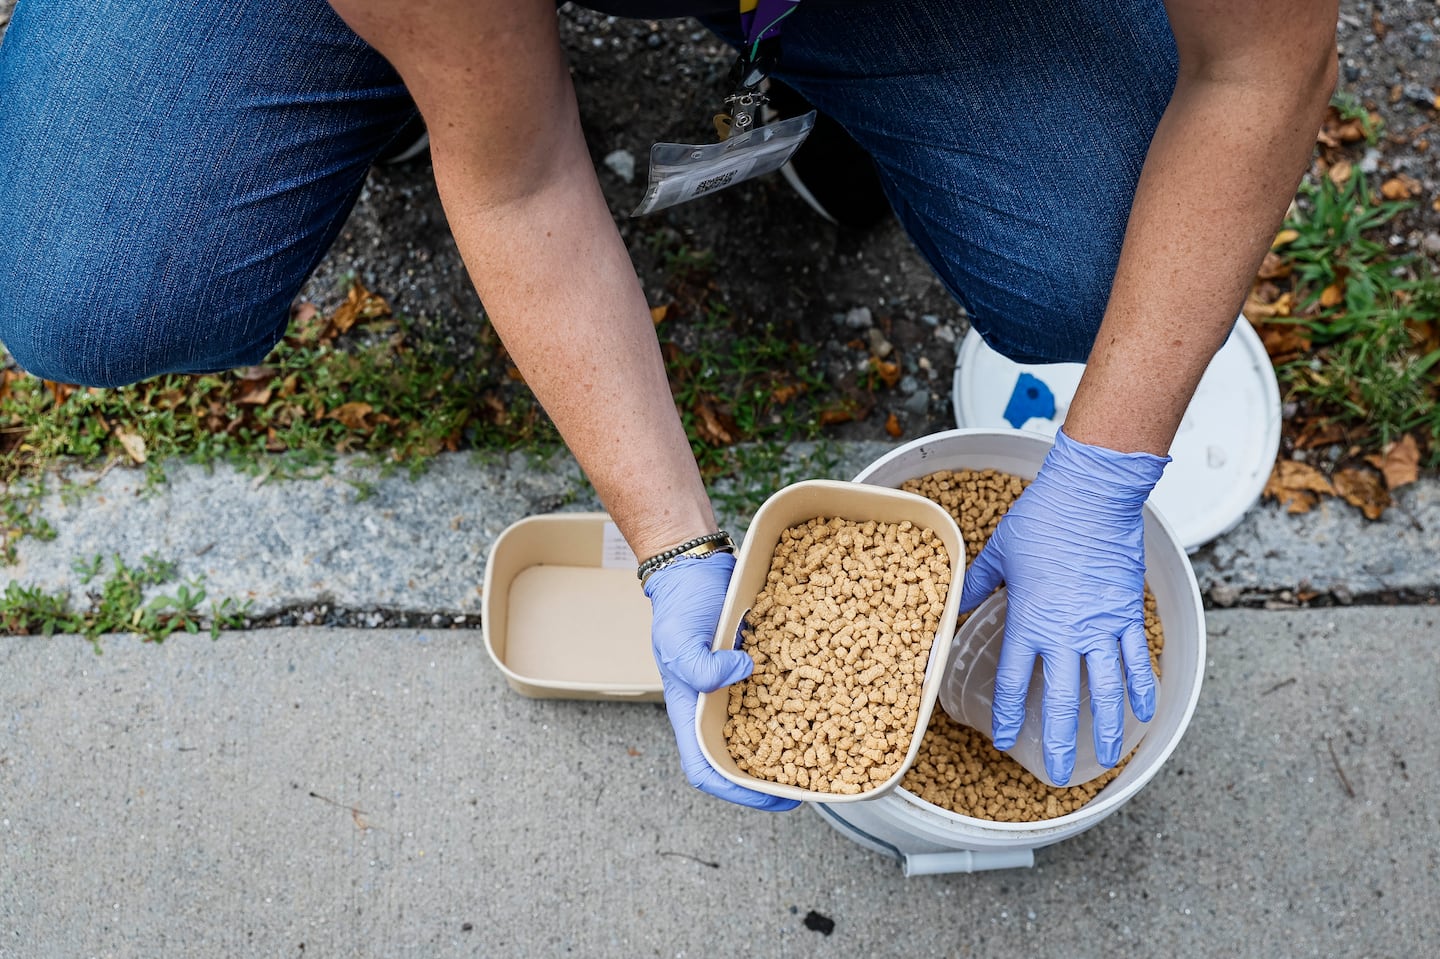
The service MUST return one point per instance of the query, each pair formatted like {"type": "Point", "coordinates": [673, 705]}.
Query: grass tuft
{"type": "Point", "coordinates": [1371, 314]}
{"type": "Point", "coordinates": [118, 606]}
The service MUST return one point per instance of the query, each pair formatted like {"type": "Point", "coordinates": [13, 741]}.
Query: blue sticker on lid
{"type": "Point", "coordinates": [1030, 399]}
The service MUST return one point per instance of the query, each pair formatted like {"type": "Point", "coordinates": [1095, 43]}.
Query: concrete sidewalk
{"type": "Point", "coordinates": [382, 793]}
{"type": "Point", "coordinates": [360, 540]}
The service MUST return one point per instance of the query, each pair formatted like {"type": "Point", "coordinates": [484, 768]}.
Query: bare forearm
{"type": "Point", "coordinates": [1220, 173]}
{"type": "Point", "coordinates": [521, 196]}
{"type": "Point", "coordinates": [560, 289]}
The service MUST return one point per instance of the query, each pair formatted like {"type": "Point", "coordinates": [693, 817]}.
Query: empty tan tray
{"type": "Point", "coordinates": [563, 614]}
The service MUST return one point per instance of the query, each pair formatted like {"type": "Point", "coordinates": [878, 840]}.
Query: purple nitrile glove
{"type": "Point", "coordinates": [685, 600]}
{"type": "Point", "coordinates": [1071, 552]}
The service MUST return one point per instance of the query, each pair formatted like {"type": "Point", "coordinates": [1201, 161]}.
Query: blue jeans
{"type": "Point", "coordinates": [171, 171]}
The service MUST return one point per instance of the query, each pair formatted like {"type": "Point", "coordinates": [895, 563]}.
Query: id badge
{"type": "Point", "coordinates": [683, 171]}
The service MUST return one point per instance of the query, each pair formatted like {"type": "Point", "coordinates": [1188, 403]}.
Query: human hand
{"type": "Point", "coordinates": [1071, 552]}
{"type": "Point", "coordinates": [685, 599]}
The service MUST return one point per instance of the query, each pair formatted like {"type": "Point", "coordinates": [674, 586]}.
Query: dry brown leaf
{"type": "Point", "coordinates": [60, 392]}
{"type": "Point", "coordinates": [1337, 130]}
{"type": "Point", "coordinates": [892, 426]}
{"type": "Point", "coordinates": [168, 399]}
{"type": "Point", "coordinates": [1265, 291]}
{"type": "Point", "coordinates": [354, 416]}
{"type": "Point", "coordinates": [1297, 486]}
{"type": "Point", "coordinates": [134, 445]}
{"type": "Point", "coordinates": [1284, 237]}
{"type": "Point", "coordinates": [303, 312]}
{"type": "Point", "coordinates": [360, 304]}
{"type": "Point", "coordinates": [6, 378]}
{"type": "Point", "coordinates": [1283, 340]}
{"type": "Point", "coordinates": [658, 313]}
{"type": "Point", "coordinates": [786, 392]}
{"type": "Point", "coordinates": [1399, 463]}
{"type": "Point", "coordinates": [835, 415]}
{"type": "Point", "coordinates": [714, 426]}
{"type": "Point", "coordinates": [1274, 267]}
{"type": "Point", "coordinates": [1321, 433]}
{"type": "Point", "coordinates": [1258, 308]}
{"type": "Point", "coordinates": [273, 443]}
{"type": "Point", "coordinates": [1351, 131]}
{"type": "Point", "coordinates": [1363, 489]}
{"type": "Point", "coordinates": [1340, 173]}
{"type": "Point", "coordinates": [1400, 187]}
{"type": "Point", "coordinates": [1425, 336]}
{"type": "Point", "coordinates": [888, 372]}
{"type": "Point", "coordinates": [1332, 295]}
{"type": "Point", "coordinates": [255, 385]}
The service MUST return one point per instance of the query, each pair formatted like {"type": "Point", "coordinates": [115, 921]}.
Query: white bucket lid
{"type": "Point", "coordinates": [1222, 454]}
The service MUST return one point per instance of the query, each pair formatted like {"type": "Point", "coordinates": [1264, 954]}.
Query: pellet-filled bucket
{"type": "Point", "coordinates": [926, 838]}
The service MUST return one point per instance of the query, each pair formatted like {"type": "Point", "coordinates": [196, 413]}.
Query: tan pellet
{"type": "Point", "coordinates": [840, 635]}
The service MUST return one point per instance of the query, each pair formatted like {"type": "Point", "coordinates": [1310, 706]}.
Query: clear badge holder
{"type": "Point", "coordinates": [680, 172]}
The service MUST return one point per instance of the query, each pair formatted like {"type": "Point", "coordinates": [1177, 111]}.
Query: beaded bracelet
{"type": "Point", "coordinates": [699, 546]}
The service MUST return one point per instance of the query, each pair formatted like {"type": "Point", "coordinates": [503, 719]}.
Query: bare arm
{"type": "Point", "coordinates": [1229, 152]}
{"type": "Point", "coordinates": [523, 201]}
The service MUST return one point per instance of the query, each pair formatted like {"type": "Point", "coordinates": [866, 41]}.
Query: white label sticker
{"type": "Point", "coordinates": [614, 551]}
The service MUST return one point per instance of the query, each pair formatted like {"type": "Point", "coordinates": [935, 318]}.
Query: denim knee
{"type": "Point", "coordinates": [170, 175]}
{"type": "Point", "coordinates": [1010, 138]}
{"type": "Point", "coordinates": [82, 333]}
{"type": "Point", "coordinates": [1051, 313]}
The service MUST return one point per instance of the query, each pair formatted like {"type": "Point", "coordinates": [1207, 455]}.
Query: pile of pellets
{"type": "Point", "coordinates": [958, 768]}
{"type": "Point", "coordinates": [840, 634]}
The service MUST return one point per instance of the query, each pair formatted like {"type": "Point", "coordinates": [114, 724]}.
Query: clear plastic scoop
{"type": "Point", "coordinates": [968, 690]}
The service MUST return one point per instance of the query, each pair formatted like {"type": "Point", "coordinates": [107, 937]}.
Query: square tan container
{"type": "Point", "coordinates": [563, 614]}
{"type": "Point", "coordinates": [799, 503]}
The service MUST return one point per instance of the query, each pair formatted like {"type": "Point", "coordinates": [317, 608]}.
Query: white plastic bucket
{"type": "Point", "coordinates": [927, 839]}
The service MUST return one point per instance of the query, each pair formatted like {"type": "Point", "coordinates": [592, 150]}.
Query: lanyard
{"type": "Point", "coordinates": [682, 171]}
{"type": "Point", "coordinates": [760, 19]}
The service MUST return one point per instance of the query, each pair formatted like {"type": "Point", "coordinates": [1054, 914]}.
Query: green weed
{"type": "Point", "coordinates": [18, 518]}
{"type": "Point", "coordinates": [758, 388]}
{"type": "Point", "coordinates": [119, 606]}
{"type": "Point", "coordinates": [1349, 107]}
{"type": "Point", "coordinates": [1369, 313]}
{"type": "Point", "coordinates": [1338, 245]}
{"type": "Point", "coordinates": [399, 402]}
